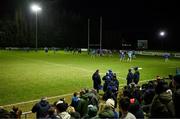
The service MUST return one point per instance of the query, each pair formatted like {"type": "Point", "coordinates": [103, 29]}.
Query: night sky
{"type": "Point", "coordinates": [123, 20]}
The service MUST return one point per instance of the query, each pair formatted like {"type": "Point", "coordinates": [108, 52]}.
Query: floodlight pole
{"type": "Point", "coordinates": [35, 8]}
{"type": "Point", "coordinates": [162, 34]}
{"type": "Point", "coordinates": [36, 32]}
{"type": "Point", "coordinates": [100, 33]}
{"type": "Point", "coordinates": [88, 33]}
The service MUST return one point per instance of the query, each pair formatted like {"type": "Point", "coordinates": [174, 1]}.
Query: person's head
{"type": "Point", "coordinates": [110, 103]}
{"type": "Point", "coordinates": [61, 106]}
{"type": "Point", "coordinates": [110, 71]}
{"type": "Point", "coordinates": [92, 110]}
{"type": "Point", "coordinates": [75, 94]}
{"type": "Point", "coordinates": [176, 80]}
{"type": "Point", "coordinates": [70, 109]}
{"type": "Point", "coordinates": [126, 93]}
{"type": "Point", "coordinates": [82, 92]}
{"type": "Point", "coordinates": [158, 77]}
{"type": "Point", "coordinates": [44, 99]}
{"type": "Point", "coordinates": [135, 68]}
{"type": "Point", "coordinates": [124, 104]}
{"type": "Point", "coordinates": [15, 109]}
{"type": "Point", "coordinates": [51, 111]}
{"type": "Point", "coordinates": [97, 71]}
{"type": "Point", "coordinates": [161, 87]}
{"type": "Point", "coordinates": [129, 70]}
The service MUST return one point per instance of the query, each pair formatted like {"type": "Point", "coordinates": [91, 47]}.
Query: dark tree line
{"type": "Point", "coordinates": [56, 26]}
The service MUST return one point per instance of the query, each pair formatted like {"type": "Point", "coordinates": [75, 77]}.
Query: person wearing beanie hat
{"type": "Point", "coordinates": [92, 112]}
{"type": "Point", "coordinates": [61, 108]}
{"type": "Point", "coordinates": [176, 95]}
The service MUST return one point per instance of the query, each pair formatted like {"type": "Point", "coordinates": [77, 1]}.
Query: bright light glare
{"type": "Point", "coordinates": [162, 33]}
{"type": "Point", "coordinates": [35, 8]}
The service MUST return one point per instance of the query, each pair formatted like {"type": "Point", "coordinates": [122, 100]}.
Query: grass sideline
{"type": "Point", "coordinates": [31, 75]}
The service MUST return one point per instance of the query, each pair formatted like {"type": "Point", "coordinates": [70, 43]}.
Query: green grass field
{"type": "Point", "coordinates": [27, 76]}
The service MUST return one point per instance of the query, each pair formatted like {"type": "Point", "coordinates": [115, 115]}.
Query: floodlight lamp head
{"type": "Point", "coordinates": [35, 8]}
{"type": "Point", "coordinates": [162, 33]}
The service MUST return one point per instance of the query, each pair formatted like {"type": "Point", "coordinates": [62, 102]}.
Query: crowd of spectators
{"type": "Point", "coordinates": [157, 98]}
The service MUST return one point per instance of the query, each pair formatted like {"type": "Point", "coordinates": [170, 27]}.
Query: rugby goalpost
{"type": "Point", "coordinates": [100, 39]}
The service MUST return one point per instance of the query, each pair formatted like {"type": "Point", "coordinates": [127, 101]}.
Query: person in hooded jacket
{"type": "Point", "coordinates": [41, 108]}
{"type": "Point", "coordinates": [96, 80]}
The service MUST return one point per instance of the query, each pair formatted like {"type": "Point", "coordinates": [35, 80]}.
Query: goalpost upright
{"type": "Point", "coordinates": [100, 39]}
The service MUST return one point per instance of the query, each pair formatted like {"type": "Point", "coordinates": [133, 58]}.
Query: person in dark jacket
{"type": "Point", "coordinates": [82, 107]}
{"type": "Point", "coordinates": [136, 75]}
{"type": "Point", "coordinates": [176, 95]}
{"type": "Point", "coordinates": [4, 114]}
{"type": "Point", "coordinates": [130, 77]}
{"type": "Point", "coordinates": [51, 114]}
{"type": "Point", "coordinates": [124, 105]}
{"type": "Point", "coordinates": [15, 113]}
{"type": "Point", "coordinates": [41, 108]}
{"type": "Point", "coordinates": [135, 108]}
{"type": "Point", "coordinates": [96, 80]}
{"type": "Point", "coordinates": [162, 103]}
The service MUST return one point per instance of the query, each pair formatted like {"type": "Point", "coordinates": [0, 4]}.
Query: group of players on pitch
{"type": "Point", "coordinates": [130, 54]}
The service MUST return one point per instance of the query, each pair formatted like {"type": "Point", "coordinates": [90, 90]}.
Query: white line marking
{"type": "Point", "coordinates": [56, 64]}
{"type": "Point", "coordinates": [31, 101]}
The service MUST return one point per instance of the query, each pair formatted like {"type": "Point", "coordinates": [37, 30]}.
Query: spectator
{"type": "Point", "coordinates": [162, 104]}
{"type": "Point", "coordinates": [75, 100]}
{"type": "Point", "coordinates": [92, 112]}
{"type": "Point", "coordinates": [176, 95]}
{"type": "Point", "coordinates": [136, 75]}
{"type": "Point", "coordinates": [111, 103]}
{"type": "Point", "coordinates": [4, 114]}
{"type": "Point", "coordinates": [15, 113]}
{"type": "Point", "coordinates": [107, 112]}
{"type": "Point", "coordinates": [93, 98]}
{"type": "Point", "coordinates": [74, 114]}
{"type": "Point", "coordinates": [106, 80]}
{"type": "Point", "coordinates": [135, 108]}
{"type": "Point", "coordinates": [51, 114]}
{"type": "Point", "coordinates": [96, 80]}
{"type": "Point", "coordinates": [41, 108]}
{"type": "Point", "coordinates": [124, 106]}
{"type": "Point", "coordinates": [130, 77]}
{"type": "Point", "coordinates": [83, 104]}
{"type": "Point", "coordinates": [116, 82]}
{"type": "Point", "coordinates": [61, 108]}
